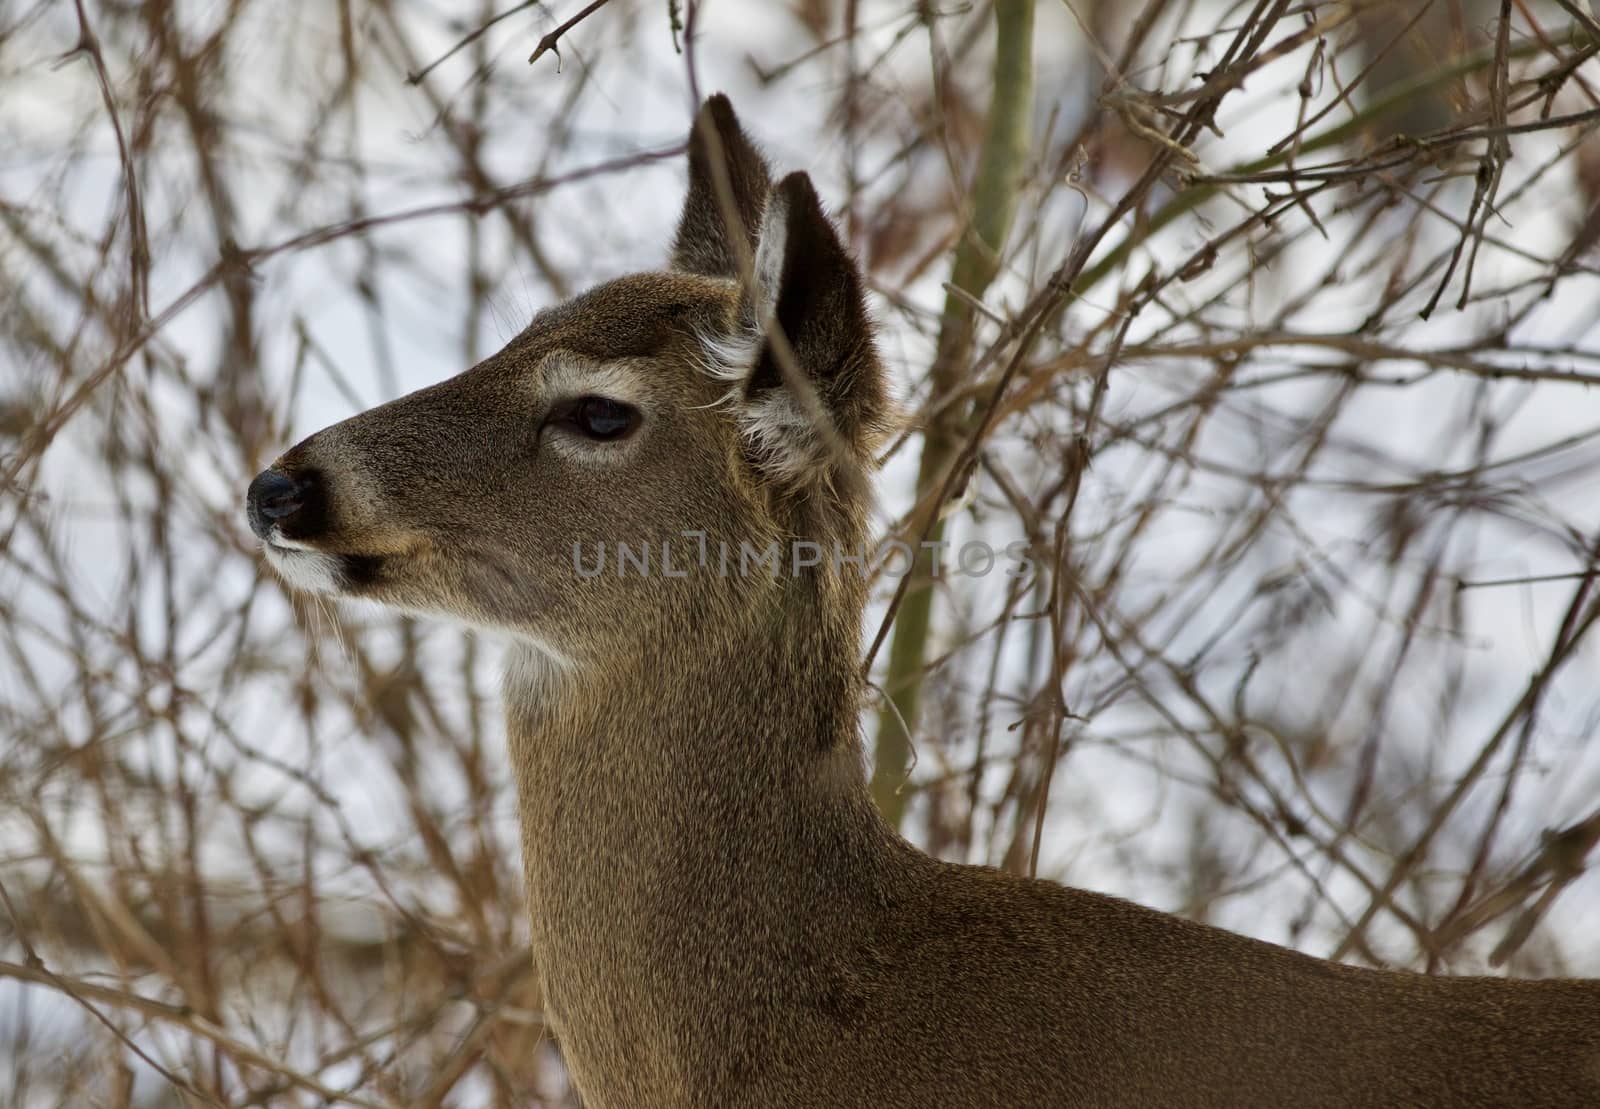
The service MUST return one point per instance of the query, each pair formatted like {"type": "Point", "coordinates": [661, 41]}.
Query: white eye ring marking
{"type": "Point", "coordinates": [568, 380]}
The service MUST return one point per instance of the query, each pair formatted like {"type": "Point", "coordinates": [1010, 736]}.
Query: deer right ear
{"type": "Point", "coordinates": [817, 410]}
{"type": "Point", "coordinates": [728, 184]}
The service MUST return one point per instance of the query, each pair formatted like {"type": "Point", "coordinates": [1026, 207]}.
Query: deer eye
{"type": "Point", "coordinates": [600, 418]}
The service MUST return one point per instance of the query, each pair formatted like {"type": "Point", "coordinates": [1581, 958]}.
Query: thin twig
{"type": "Point", "coordinates": [551, 40]}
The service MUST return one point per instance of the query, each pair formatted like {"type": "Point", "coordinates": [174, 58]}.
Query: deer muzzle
{"type": "Point", "coordinates": [276, 500]}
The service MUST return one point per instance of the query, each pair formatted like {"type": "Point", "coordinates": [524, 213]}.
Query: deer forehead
{"type": "Point", "coordinates": [632, 334]}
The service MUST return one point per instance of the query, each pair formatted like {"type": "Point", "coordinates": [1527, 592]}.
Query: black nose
{"type": "Point", "coordinates": [274, 498]}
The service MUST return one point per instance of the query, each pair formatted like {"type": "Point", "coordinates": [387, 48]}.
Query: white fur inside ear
{"type": "Point", "coordinates": [731, 358]}
{"type": "Point", "coordinates": [783, 439]}
{"type": "Point", "coordinates": [770, 251]}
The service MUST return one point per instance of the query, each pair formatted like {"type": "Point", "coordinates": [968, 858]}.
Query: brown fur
{"type": "Point", "coordinates": [720, 917]}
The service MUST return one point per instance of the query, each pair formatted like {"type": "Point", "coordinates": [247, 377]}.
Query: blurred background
{"type": "Point", "coordinates": [1272, 329]}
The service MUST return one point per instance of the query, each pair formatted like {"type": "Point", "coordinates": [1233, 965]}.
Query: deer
{"type": "Point", "coordinates": [719, 916]}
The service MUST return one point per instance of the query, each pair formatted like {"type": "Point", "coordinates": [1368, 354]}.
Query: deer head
{"type": "Point", "coordinates": [734, 397]}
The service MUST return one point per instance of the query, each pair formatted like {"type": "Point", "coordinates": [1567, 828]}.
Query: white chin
{"type": "Point", "coordinates": [307, 571]}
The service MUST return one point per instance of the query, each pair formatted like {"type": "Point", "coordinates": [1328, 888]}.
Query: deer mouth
{"type": "Point", "coordinates": [305, 569]}
{"type": "Point", "coordinates": [326, 572]}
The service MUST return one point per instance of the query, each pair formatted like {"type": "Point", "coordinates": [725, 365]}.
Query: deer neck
{"type": "Point", "coordinates": [695, 824]}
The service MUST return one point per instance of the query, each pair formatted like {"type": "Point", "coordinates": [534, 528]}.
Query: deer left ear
{"type": "Point", "coordinates": [728, 183]}
{"type": "Point", "coordinates": [812, 394]}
